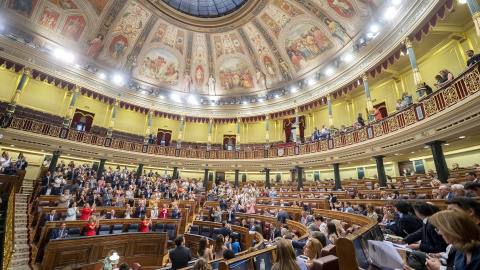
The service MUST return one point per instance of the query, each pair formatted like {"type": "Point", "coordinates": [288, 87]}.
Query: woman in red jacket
{"type": "Point", "coordinates": [92, 226]}
{"type": "Point", "coordinates": [164, 212]}
{"type": "Point", "coordinates": [87, 211]}
{"type": "Point", "coordinates": [145, 224]}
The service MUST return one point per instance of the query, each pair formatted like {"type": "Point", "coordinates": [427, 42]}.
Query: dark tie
{"type": "Point", "coordinates": [273, 234]}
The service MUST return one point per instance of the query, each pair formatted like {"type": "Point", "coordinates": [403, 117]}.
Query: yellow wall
{"type": "Point", "coordinates": [130, 121]}
{"type": "Point", "coordinates": [196, 132]}
{"type": "Point", "coordinates": [225, 129]}
{"type": "Point", "coordinates": [43, 97]}
{"type": "Point", "coordinates": [464, 157]}
{"type": "Point", "coordinates": [94, 106]}
{"type": "Point", "coordinates": [9, 83]}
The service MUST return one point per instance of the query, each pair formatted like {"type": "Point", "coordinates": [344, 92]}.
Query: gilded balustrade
{"type": "Point", "coordinates": [8, 244]}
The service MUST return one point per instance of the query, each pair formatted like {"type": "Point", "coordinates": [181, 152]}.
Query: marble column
{"type": "Point", "coordinates": [101, 167]}
{"type": "Point", "coordinates": [205, 181]}
{"type": "Point", "coordinates": [175, 173]}
{"type": "Point", "coordinates": [237, 172]}
{"type": "Point", "coordinates": [330, 113]}
{"type": "Point", "coordinates": [54, 161]}
{"type": "Point", "coordinates": [209, 140]}
{"type": "Point", "coordinates": [139, 170]}
{"type": "Point", "coordinates": [68, 117]}
{"type": "Point", "coordinates": [382, 177]}
{"type": "Point", "coordinates": [7, 116]}
{"type": "Point", "coordinates": [371, 115]}
{"type": "Point", "coordinates": [180, 134]}
{"type": "Point", "coordinates": [112, 120]}
{"type": "Point", "coordinates": [475, 10]}
{"type": "Point", "coordinates": [297, 127]}
{"type": "Point", "coordinates": [299, 178]}
{"type": "Point", "coordinates": [237, 141]}
{"type": "Point", "coordinates": [439, 159]}
{"type": "Point", "coordinates": [267, 135]}
{"type": "Point", "coordinates": [336, 175]}
{"type": "Point", "coordinates": [149, 124]}
{"type": "Point", "coordinates": [267, 178]}
{"type": "Point", "coordinates": [421, 91]}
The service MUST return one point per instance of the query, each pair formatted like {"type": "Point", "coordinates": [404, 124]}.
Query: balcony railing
{"type": "Point", "coordinates": [465, 85]}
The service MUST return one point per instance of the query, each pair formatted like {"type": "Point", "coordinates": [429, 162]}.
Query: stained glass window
{"type": "Point", "coordinates": [206, 8]}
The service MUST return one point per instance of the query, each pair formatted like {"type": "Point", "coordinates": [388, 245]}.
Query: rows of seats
{"type": "Point", "coordinates": [286, 204]}
{"type": "Point", "coordinates": [36, 115]}
{"type": "Point", "coordinates": [127, 136]}
{"type": "Point", "coordinates": [209, 233]}
{"type": "Point", "coordinates": [75, 232]}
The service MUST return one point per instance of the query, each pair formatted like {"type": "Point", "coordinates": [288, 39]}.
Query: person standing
{"type": "Point", "coordinates": [180, 255]}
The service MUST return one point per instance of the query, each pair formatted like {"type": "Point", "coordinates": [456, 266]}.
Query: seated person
{"type": "Point", "coordinates": [286, 258]}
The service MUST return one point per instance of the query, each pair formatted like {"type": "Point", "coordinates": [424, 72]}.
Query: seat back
{"type": "Point", "coordinates": [206, 231]}
{"type": "Point", "coordinates": [215, 233]}
{"type": "Point", "coordinates": [329, 250]}
{"type": "Point", "coordinates": [194, 229]}
{"type": "Point", "coordinates": [132, 227]}
{"type": "Point", "coordinates": [137, 266]}
{"type": "Point", "coordinates": [103, 229]}
{"type": "Point", "coordinates": [170, 231]}
{"type": "Point", "coordinates": [329, 262]}
{"type": "Point", "coordinates": [73, 232]}
{"type": "Point", "coordinates": [117, 229]}
{"type": "Point", "coordinates": [159, 227]}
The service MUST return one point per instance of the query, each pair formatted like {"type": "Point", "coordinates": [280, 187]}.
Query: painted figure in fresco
{"type": "Point", "coordinates": [119, 48]}
{"type": "Point", "coordinates": [48, 19]}
{"type": "Point", "coordinates": [319, 38]}
{"type": "Point", "coordinates": [284, 69]}
{"type": "Point", "coordinates": [261, 79]}
{"type": "Point", "coordinates": [337, 31]}
{"type": "Point", "coordinates": [187, 80]}
{"type": "Point", "coordinates": [270, 68]}
{"type": "Point", "coordinates": [23, 5]}
{"type": "Point", "coordinates": [199, 75]}
{"type": "Point", "coordinates": [74, 29]}
{"type": "Point", "coordinates": [343, 7]}
{"type": "Point", "coordinates": [211, 85]}
{"type": "Point", "coordinates": [96, 46]}
{"type": "Point", "coordinates": [131, 64]}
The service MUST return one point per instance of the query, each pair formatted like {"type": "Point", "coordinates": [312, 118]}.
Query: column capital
{"type": "Point", "coordinates": [210, 119]}
{"type": "Point", "coordinates": [335, 164]}
{"type": "Point", "coordinates": [408, 42]}
{"type": "Point", "coordinates": [434, 143]}
{"type": "Point", "coordinates": [77, 88]}
{"type": "Point", "coordinates": [57, 152]}
{"type": "Point", "coordinates": [378, 157]}
{"type": "Point", "coordinates": [27, 70]}
{"type": "Point", "coordinates": [328, 96]}
{"type": "Point", "coordinates": [364, 77]}
{"type": "Point", "coordinates": [296, 109]}
{"type": "Point", "coordinates": [182, 117]}
{"type": "Point", "coordinates": [150, 112]}
{"type": "Point", "coordinates": [267, 116]}
{"type": "Point", "coordinates": [239, 119]}
{"type": "Point", "coordinates": [116, 103]}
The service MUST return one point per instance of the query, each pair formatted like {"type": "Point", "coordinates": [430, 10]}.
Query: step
{"type": "Point", "coordinates": [16, 262]}
{"type": "Point", "coordinates": [21, 241]}
{"type": "Point", "coordinates": [22, 248]}
{"type": "Point", "coordinates": [21, 255]}
{"type": "Point", "coordinates": [21, 235]}
{"type": "Point", "coordinates": [21, 267]}
{"type": "Point", "coordinates": [21, 230]}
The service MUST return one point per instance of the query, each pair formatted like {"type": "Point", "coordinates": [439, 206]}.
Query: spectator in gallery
{"type": "Point", "coordinates": [377, 114]}
{"type": "Point", "coordinates": [360, 120]}
{"type": "Point", "coordinates": [447, 77]}
{"type": "Point", "coordinates": [473, 58]}
{"type": "Point", "coordinates": [400, 105]}
{"type": "Point", "coordinates": [407, 99]}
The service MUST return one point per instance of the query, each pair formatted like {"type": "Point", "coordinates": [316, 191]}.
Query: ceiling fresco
{"type": "Point", "coordinates": [286, 39]}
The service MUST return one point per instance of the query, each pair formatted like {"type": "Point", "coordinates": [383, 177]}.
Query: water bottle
{"type": "Point", "coordinates": [262, 265]}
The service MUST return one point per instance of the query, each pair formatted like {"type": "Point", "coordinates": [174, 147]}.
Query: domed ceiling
{"type": "Point", "coordinates": [206, 8]}
{"type": "Point", "coordinates": [279, 41]}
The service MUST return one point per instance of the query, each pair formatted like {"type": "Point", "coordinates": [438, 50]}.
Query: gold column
{"type": "Point", "coordinates": [330, 112]}
{"type": "Point", "coordinates": [23, 81]}
{"type": "Point", "coordinates": [367, 92]}
{"type": "Point", "coordinates": [69, 114]}
{"type": "Point", "coordinates": [267, 135]}
{"type": "Point", "coordinates": [476, 21]}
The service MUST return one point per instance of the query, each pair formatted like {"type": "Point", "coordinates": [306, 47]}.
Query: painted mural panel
{"type": "Point", "coordinates": [49, 18]}
{"type": "Point", "coordinates": [235, 75]}
{"type": "Point", "coordinates": [65, 4]}
{"type": "Point", "coordinates": [162, 66]}
{"type": "Point", "coordinates": [343, 7]}
{"type": "Point", "coordinates": [74, 27]}
{"type": "Point", "coordinates": [158, 36]}
{"type": "Point", "coordinates": [23, 7]}
{"type": "Point", "coordinates": [98, 5]}
{"type": "Point", "coordinates": [259, 45]}
{"type": "Point", "coordinates": [278, 15]}
{"type": "Point", "coordinates": [304, 43]}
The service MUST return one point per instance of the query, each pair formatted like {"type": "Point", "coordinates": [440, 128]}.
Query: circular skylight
{"type": "Point", "coordinates": [206, 8]}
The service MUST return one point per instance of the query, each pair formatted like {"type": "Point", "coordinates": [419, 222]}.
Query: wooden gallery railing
{"type": "Point", "coordinates": [465, 85]}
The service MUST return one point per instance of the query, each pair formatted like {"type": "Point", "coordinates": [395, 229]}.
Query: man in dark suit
{"type": "Point", "coordinates": [59, 233]}
{"type": "Point", "coordinates": [226, 229]}
{"type": "Point", "coordinates": [52, 216]}
{"type": "Point", "coordinates": [257, 227]}
{"type": "Point", "coordinates": [274, 232]}
{"type": "Point", "coordinates": [140, 210]}
{"type": "Point", "coordinates": [230, 215]}
{"type": "Point", "coordinates": [47, 179]}
{"type": "Point", "coordinates": [431, 241]}
{"type": "Point", "coordinates": [112, 215]}
{"type": "Point", "coordinates": [283, 216]}
{"type": "Point", "coordinates": [48, 190]}
{"type": "Point", "coordinates": [180, 255]}
{"type": "Point", "coordinates": [10, 170]}
{"type": "Point", "coordinates": [94, 198]}
{"type": "Point", "coordinates": [474, 58]}
{"type": "Point", "coordinates": [223, 205]}
{"type": "Point", "coordinates": [405, 223]}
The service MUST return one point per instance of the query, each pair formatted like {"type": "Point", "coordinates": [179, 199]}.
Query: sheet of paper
{"type": "Point", "coordinates": [384, 254]}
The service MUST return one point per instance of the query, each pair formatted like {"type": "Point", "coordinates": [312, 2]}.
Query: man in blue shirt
{"type": "Point", "coordinates": [445, 192]}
